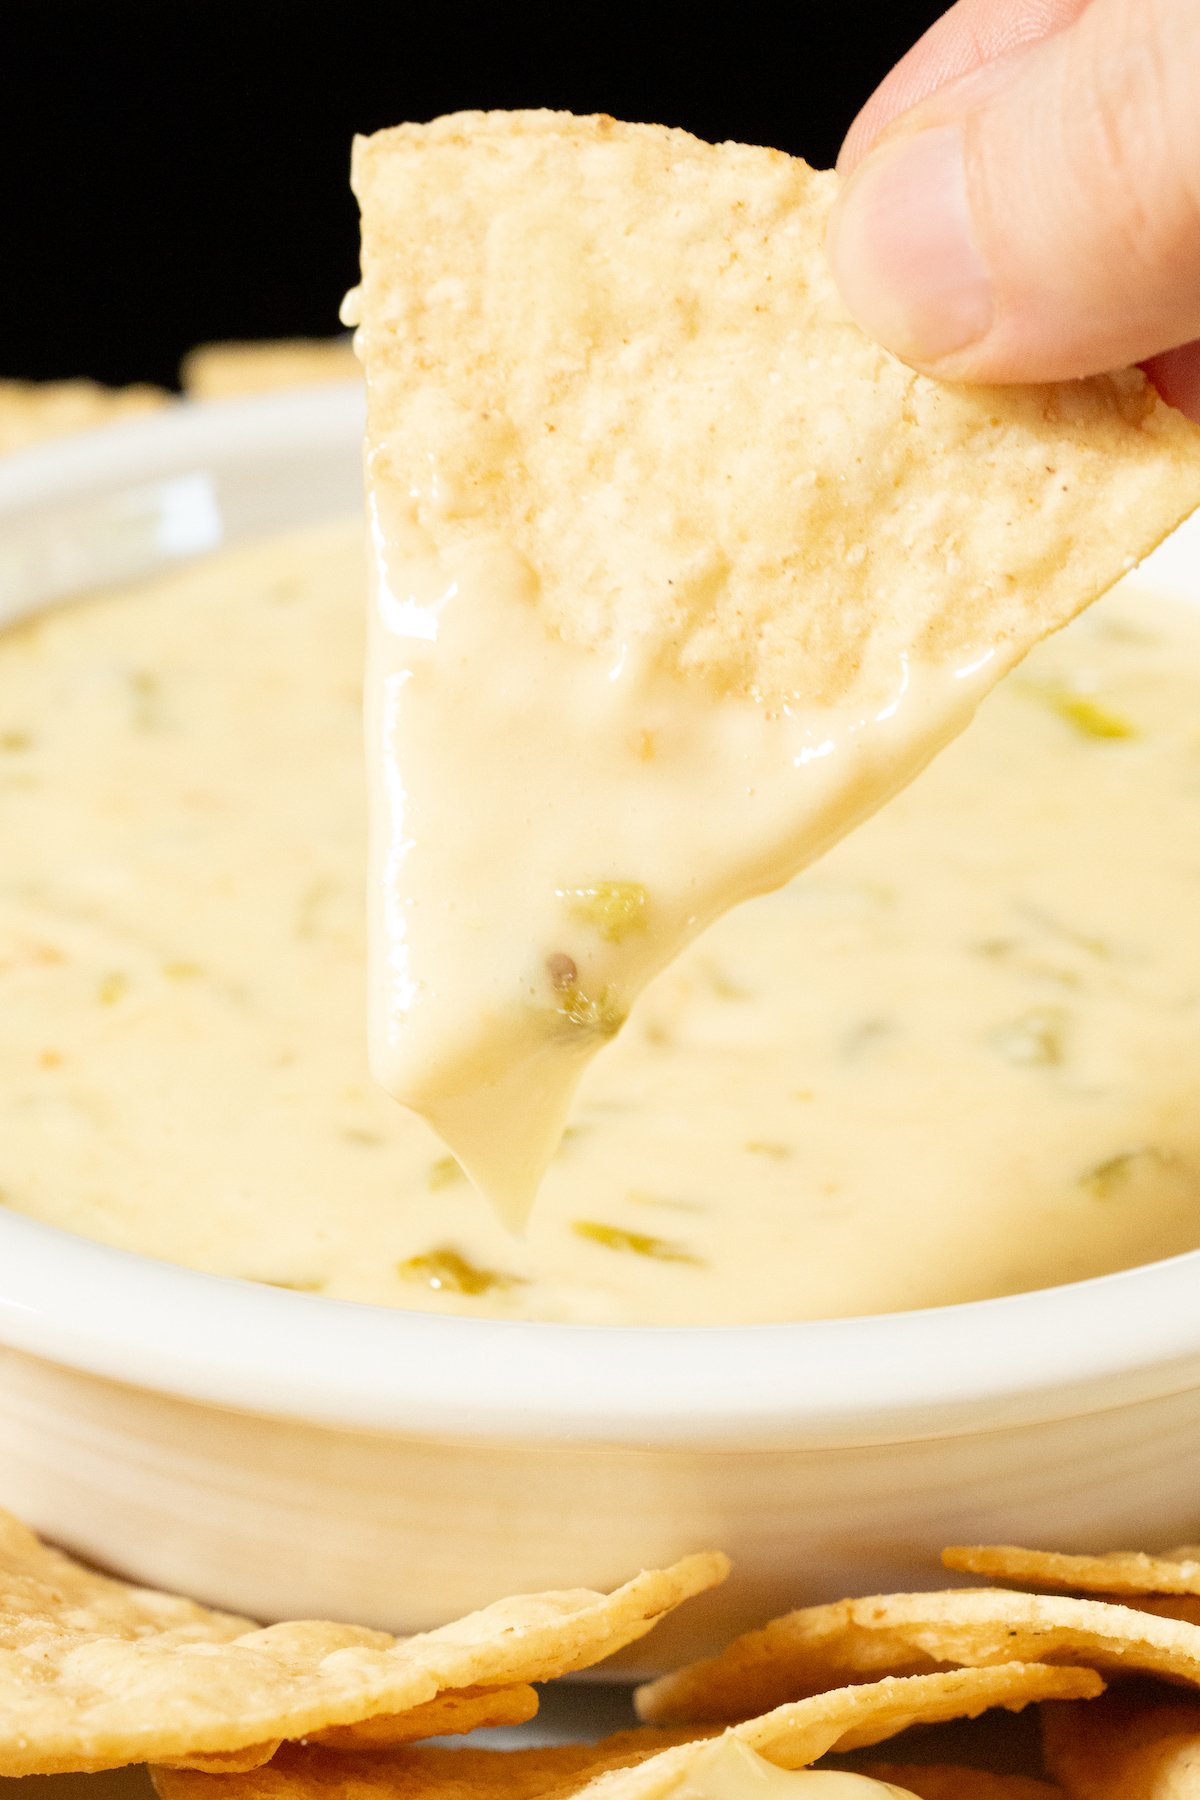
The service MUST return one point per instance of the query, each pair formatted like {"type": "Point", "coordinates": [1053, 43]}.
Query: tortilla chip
{"type": "Point", "coordinates": [795, 1735]}
{"type": "Point", "coordinates": [612, 386]}
{"type": "Point", "coordinates": [943, 1781]}
{"type": "Point", "coordinates": [634, 1765]}
{"type": "Point", "coordinates": [1116, 1572]}
{"type": "Point", "coordinates": [95, 1674]}
{"type": "Point", "coordinates": [224, 371]}
{"type": "Point", "coordinates": [1132, 1745]}
{"type": "Point", "coordinates": [1168, 1606]}
{"type": "Point", "coordinates": [908, 1634]}
{"type": "Point", "coordinates": [430, 1771]}
{"type": "Point", "coordinates": [452, 1714]}
{"type": "Point", "coordinates": [626, 346]}
{"type": "Point", "coordinates": [33, 411]}
{"type": "Point", "coordinates": [235, 1762]}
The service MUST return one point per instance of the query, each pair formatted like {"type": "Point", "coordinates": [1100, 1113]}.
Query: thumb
{"type": "Point", "coordinates": [1038, 219]}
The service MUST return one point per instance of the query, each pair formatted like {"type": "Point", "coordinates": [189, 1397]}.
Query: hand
{"type": "Point", "coordinates": [1023, 201]}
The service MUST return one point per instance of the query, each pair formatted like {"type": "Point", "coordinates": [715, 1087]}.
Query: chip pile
{"type": "Point", "coordinates": [96, 1674]}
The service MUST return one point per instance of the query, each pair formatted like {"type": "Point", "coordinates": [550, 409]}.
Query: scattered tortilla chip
{"type": "Point", "coordinates": [907, 1634]}
{"type": "Point", "coordinates": [431, 1771]}
{"type": "Point", "coordinates": [224, 371]}
{"type": "Point", "coordinates": [1168, 1606]}
{"type": "Point", "coordinates": [1116, 1572]}
{"type": "Point", "coordinates": [452, 1714]}
{"type": "Point", "coordinates": [1131, 1745]}
{"type": "Point", "coordinates": [234, 1762]}
{"type": "Point", "coordinates": [943, 1781]}
{"type": "Point", "coordinates": [636, 1765]}
{"type": "Point", "coordinates": [95, 1674]}
{"type": "Point", "coordinates": [33, 411]}
{"type": "Point", "coordinates": [626, 345]}
{"type": "Point", "coordinates": [797, 1734]}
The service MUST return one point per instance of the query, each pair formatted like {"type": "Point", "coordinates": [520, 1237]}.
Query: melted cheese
{"type": "Point", "coordinates": [549, 830]}
{"type": "Point", "coordinates": [959, 1057]}
{"type": "Point", "coordinates": [730, 1770]}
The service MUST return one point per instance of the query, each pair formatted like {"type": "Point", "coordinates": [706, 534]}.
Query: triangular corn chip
{"type": "Point", "coordinates": [945, 1781]}
{"type": "Point", "coordinates": [905, 1634]}
{"type": "Point", "coordinates": [231, 370]}
{"type": "Point", "coordinates": [796, 1734]}
{"type": "Point", "coordinates": [95, 1673]}
{"type": "Point", "coordinates": [1132, 1745]}
{"type": "Point", "coordinates": [1115, 1572]}
{"type": "Point", "coordinates": [31, 412]}
{"type": "Point", "coordinates": [678, 576]}
{"type": "Point", "coordinates": [635, 1765]}
{"type": "Point", "coordinates": [451, 1714]}
{"type": "Point", "coordinates": [432, 1771]}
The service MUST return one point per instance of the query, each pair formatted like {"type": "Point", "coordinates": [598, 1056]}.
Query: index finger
{"type": "Point", "coordinates": [972, 34]}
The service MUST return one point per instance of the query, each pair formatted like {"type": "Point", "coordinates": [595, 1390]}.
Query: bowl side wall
{"type": "Point", "coordinates": [279, 1519]}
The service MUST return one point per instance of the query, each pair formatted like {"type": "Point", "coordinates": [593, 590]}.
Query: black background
{"type": "Point", "coordinates": [176, 171]}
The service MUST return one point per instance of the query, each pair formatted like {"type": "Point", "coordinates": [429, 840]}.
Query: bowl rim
{"type": "Point", "coordinates": [1023, 1359]}
{"type": "Point", "coordinates": [1020, 1360]}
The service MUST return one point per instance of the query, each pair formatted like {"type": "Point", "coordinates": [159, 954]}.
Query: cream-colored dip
{"type": "Point", "coordinates": [958, 1057]}
{"type": "Point", "coordinates": [549, 828]}
{"type": "Point", "coordinates": [730, 1770]}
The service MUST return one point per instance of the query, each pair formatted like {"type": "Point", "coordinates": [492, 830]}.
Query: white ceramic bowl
{"type": "Point", "coordinates": [288, 1455]}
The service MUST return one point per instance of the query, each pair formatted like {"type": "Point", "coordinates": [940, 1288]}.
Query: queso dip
{"type": "Point", "coordinates": [957, 1058]}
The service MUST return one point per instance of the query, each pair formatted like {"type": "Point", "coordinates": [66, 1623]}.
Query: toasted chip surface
{"type": "Point", "coordinates": [33, 411]}
{"type": "Point", "coordinates": [94, 1674]}
{"type": "Point", "coordinates": [905, 1634]}
{"type": "Point", "coordinates": [450, 1715]}
{"type": "Point", "coordinates": [625, 346]}
{"type": "Point", "coordinates": [1115, 1572]}
{"type": "Point", "coordinates": [945, 1781]}
{"type": "Point", "coordinates": [637, 1765]}
{"type": "Point", "coordinates": [224, 371]}
{"type": "Point", "coordinates": [434, 1772]}
{"type": "Point", "coordinates": [1131, 1745]}
{"type": "Point", "coordinates": [801, 1731]}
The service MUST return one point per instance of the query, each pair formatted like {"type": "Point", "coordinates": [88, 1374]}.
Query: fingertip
{"type": "Point", "coordinates": [1176, 375]}
{"type": "Point", "coordinates": [903, 251]}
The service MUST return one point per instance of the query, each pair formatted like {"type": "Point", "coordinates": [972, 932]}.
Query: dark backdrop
{"type": "Point", "coordinates": [176, 171]}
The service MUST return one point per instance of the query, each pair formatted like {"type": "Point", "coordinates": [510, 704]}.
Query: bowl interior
{"type": "Point", "coordinates": [116, 505]}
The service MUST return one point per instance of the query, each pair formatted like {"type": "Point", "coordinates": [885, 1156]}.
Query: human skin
{"type": "Point", "coordinates": [1023, 195]}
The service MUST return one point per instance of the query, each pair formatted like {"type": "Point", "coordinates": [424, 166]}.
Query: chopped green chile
{"type": "Point", "coordinates": [178, 969]}
{"type": "Point", "coordinates": [1069, 933]}
{"type": "Point", "coordinates": [146, 691]}
{"type": "Point", "coordinates": [634, 1243]}
{"type": "Point", "coordinates": [443, 1173]}
{"type": "Point", "coordinates": [613, 908]}
{"type": "Point", "coordinates": [447, 1270]}
{"type": "Point", "coordinates": [719, 982]}
{"type": "Point", "coordinates": [598, 1013]}
{"type": "Point", "coordinates": [1110, 1177]}
{"type": "Point", "coordinates": [370, 1140]}
{"type": "Point", "coordinates": [664, 1202]}
{"type": "Point", "coordinates": [1089, 716]}
{"type": "Point", "coordinates": [1037, 1040]}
